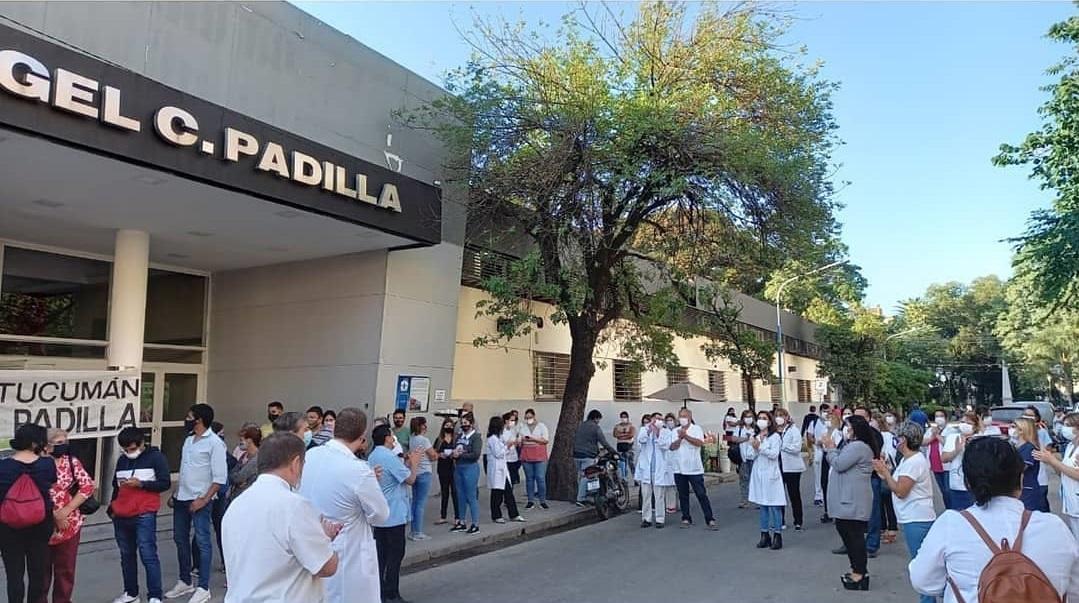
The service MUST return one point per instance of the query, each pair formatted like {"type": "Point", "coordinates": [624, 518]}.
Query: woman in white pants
{"type": "Point", "coordinates": [653, 471]}
{"type": "Point", "coordinates": [1068, 468]}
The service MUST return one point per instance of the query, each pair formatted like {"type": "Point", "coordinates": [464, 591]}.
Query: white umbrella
{"type": "Point", "coordinates": [1005, 384]}
{"type": "Point", "coordinates": [684, 392]}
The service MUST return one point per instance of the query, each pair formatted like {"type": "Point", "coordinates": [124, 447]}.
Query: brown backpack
{"type": "Point", "coordinates": [1010, 576]}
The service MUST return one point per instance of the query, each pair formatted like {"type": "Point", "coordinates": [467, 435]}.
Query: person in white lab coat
{"type": "Point", "coordinates": [653, 471]}
{"type": "Point", "coordinates": [346, 490]}
{"type": "Point", "coordinates": [741, 437]}
{"type": "Point", "coordinates": [766, 483]}
{"type": "Point", "coordinates": [791, 464]}
{"type": "Point", "coordinates": [1068, 468]}
{"type": "Point", "coordinates": [498, 473]}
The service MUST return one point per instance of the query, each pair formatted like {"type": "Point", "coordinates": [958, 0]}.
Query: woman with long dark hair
{"type": "Point", "coordinates": [25, 548]}
{"type": "Point", "coordinates": [766, 483]}
{"type": "Point", "coordinates": [444, 445]}
{"type": "Point", "coordinates": [498, 474]}
{"type": "Point", "coordinates": [850, 496]}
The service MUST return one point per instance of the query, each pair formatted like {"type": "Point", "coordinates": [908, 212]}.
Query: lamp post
{"type": "Point", "coordinates": [779, 327]}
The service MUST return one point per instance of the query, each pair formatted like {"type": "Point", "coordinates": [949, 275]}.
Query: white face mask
{"type": "Point", "coordinates": [670, 424]}
{"type": "Point", "coordinates": [762, 423]}
{"type": "Point", "coordinates": [511, 424]}
{"type": "Point", "coordinates": [846, 416]}
{"type": "Point", "coordinates": [781, 421]}
{"type": "Point", "coordinates": [683, 421]}
{"type": "Point", "coordinates": [133, 455]}
{"type": "Point", "coordinates": [940, 421]}
{"type": "Point", "coordinates": [1067, 432]}
{"type": "Point", "coordinates": [748, 420]}
{"type": "Point", "coordinates": [846, 433]}
{"type": "Point", "coordinates": [889, 420]}
{"type": "Point", "coordinates": [966, 428]}
{"type": "Point", "coordinates": [530, 421]}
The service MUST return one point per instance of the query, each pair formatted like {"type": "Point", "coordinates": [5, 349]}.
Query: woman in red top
{"type": "Point", "coordinates": [934, 440]}
{"type": "Point", "coordinates": [64, 544]}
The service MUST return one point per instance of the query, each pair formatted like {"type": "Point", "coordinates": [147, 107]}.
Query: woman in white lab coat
{"type": "Point", "coordinates": [653, 472]}
{"type": "Point", "coordinates": [498, 473]}
{"type": "Point", "coordinates": [791, 464]}
{"type": "Point", "coordinates": [1068, 468]}
{"type": "Point", "coordinates": [766, 482]}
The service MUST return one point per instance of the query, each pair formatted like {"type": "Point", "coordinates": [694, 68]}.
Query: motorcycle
{"type": "Point", "coordinates": [609, 490]}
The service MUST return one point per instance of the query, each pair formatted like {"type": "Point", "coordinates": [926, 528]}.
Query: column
{"type": "Point", "coordinates": [127, 322]}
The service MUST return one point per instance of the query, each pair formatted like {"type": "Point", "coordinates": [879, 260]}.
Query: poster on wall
{"type": "Point", "coordinates": [413, 393]}
{"type": "Point", "coordinates": [86, 404]}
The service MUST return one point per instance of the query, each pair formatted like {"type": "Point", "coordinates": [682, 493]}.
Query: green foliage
{"type": "Point", "coordinates": [852, 346]}
{"type": "Point", "coordinates": [1048, 252]}
{"type": "Point", "coordinates": [897, 384]}
{"type": "Point", "coordinates": [1044, 341]}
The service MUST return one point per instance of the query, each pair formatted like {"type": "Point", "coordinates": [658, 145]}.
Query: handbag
{"type": "Point", "coordinates": [90, 505]}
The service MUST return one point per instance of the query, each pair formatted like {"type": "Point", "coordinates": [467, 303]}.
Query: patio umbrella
{"type": "Point", "coordinates": [684, 392]}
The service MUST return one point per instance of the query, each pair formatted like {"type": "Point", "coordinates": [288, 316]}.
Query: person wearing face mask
{"type": "Point", "coordinates": [587, 441]}
{"type": "Point", "coordinates": [653, 471]}
{"type": "Point", "coordinates": [934, 440]}
{"type": "Point", "coordinates": [142, 474]}
{"type": "Point", "coordinates": [512, 441]}
{"type": "Point", "coordinates": [25, 549]}
{"type": "Point", "coordinates": [791, 465]}
{"type": "Point", "coordinates": [671, 422]}
{"type": "Point", "coordinates": [329, 421]}
{"type": "Point", "coordinates": [952, 452]}
{"type": "Point", "coordinates": [624, 434]}
{"type": "Point", "coordinates": [534, 437]}
{"type": "Point", "coordinates": [828, 430]}
{"type": "Point", "coordinates": [746, 431]}
{"type": "Point", "coordinates": [346, 490]}
{"type": "Point", "coordinates": [1045, 442]}
{"type": "Point", "coordinates": [466, 473]}
{"type": "Point", "coordinates": [888, 452]}
{"type": "Point", "coordinates": [394, 477]}
{"type": "Point", "coordinates": [73, 487]}
{"type": "Point", "coordinates": [1025, 439]}
{"type": "Point", "coordinates": [244, 474]}
{"type": "Point", "coordinates": [203, 471]}
{"type": "Point", "coordinates": [851, 496]}
{"type": "Point", "coordinates": [273, 410]}
{"type": "Point", "coordinates": [444, 445]}
{"type": "Point", "coordinates": [277, 545]}
{"type": "Point", "coordinates": [686, 445]}
{"type": "Point", "coordinates": [1068, 468]}
{"type": "Point", "coordinates": [295, 423]}
{"type": "Point", "coordinates": [766, 483]}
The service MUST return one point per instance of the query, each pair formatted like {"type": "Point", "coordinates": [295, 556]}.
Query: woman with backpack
{"type": "Point", "coordinates": [26, 513]}
{"type": "Point", "coordinates": [73, 487]}
{"type": "Point", "coordinates": [962, 558]}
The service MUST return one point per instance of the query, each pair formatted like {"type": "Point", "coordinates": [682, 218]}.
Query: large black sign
{"type": "Point", "coordinates": [60, 94]}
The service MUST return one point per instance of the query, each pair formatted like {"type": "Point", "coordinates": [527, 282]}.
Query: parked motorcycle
{"type": "Point", "coordinates": [609, 490]}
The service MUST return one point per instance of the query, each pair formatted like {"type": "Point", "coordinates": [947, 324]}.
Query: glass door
{"type": "Point", "coordinates": [167, 392]}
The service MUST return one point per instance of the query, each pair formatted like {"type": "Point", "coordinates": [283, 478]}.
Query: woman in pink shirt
{"type": "Point", "coordinates": [72, 488]}
{"type": "Point", "coordinates": [934, 440]}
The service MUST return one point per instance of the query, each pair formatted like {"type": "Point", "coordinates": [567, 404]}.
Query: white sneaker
{"type": "Point", "coordinates": [126, 598]}
{"type": "Point", "coordinates": [201, 596]}
{"type": "Point", "coordinates": [182, 588]}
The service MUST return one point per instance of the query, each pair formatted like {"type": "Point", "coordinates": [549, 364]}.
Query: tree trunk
{"type": "Point", "coordinates": [561, 470]}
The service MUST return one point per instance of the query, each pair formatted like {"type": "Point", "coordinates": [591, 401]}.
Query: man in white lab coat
{"type": "Point", "coordinates": [345, 489]}
{"type": "Point", "coordinates": [653, 471]}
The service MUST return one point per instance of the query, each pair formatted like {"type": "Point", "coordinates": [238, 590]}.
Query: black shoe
{"type": "Point", "coordinates": [543, 505]}
{"type": "Point", "coordinates": [777, 541]}
{"type": "Point", "coordinates": [797, 527]}
{"type": "Point", "coordinates": [826, 519]}
{"type": "Point", "coordinates": [659, 526]}
{"type": "Point", "coordinates": [530, 505]}
{"type": "Point", "coordinates": [849, 584]}
{"type": "Point", "coordinates": [646, 524]}
{"type": "Point", "coordinates": [766, 541]}
{"type": "Point", "coordinates": [872, 554]}
{"type": "Point", "coordinates": [458, 527]}
{"type": "Point", "coordinates": [840, 551]}
{"type": "Point", "coordinates": [475, 528]}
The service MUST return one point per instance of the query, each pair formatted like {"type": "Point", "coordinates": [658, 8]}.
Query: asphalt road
{"type": "Point", "coordinates": [618, 562]}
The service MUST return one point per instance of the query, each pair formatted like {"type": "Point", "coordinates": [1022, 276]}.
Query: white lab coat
{"type": "Point", "coordinates": [652, 466]}
{"type": "Point", "coordinates": [498, 471]}
{"type": "Point", "coordinates": [344, 489]}
{"type": "Point", "coordinates": [792, 451]}
{"type": "Point", "coordinates": [766, 482]}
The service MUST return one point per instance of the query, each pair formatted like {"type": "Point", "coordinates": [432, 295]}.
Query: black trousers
{"type": "Point", "coordinates": [793, 483]}
{"type": "Point", "coordinates": [887, 510]}
{"type": "Point", "coordinates": [505, 495]}
{"type": "Point", "coordinates": [390, 543]}
{"type": "Point", "coordinates": [824, 469]}
{"type": "Point", "coordinates": [853, 534]}
{"type": "Point", "coordinates": [448, 488]}
{"type": "Point", "coordinates": [26, 554]}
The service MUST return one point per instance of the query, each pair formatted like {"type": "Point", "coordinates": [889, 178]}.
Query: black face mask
{"type": "Point", "coordinates": [272, 417]}
{"type": "Point", "coordinates": [59, 450]}
{"type": "Point", "coordinates": [189, 425]}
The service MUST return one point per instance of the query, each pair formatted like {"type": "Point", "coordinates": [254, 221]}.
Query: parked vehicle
{"type": "Point", "coordinates": [1004, 416]}
{"type": "Point", "coordinates": [609, 491]}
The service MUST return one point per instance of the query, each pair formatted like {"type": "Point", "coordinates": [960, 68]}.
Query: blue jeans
{"type": "Point", "coordinates": [945, 491]}
{"type": "Point", "coordinates": [872, 537]}
{"type": "Point", "coordinates": [961, 499]}
{"type": "Point", "coordinates": [420, 488]}
{"type": "Point", "coordinates": [536, 481]}
{"type": "Point", "coordinates": [182, 520]}
{"type": "Point", "coordinates": [137, 537]}
{"type": "Point", "coordinates": [771, 519]}
{"type": "Point", "coordinates": [914, 533]}
{"type": "Point", "coordinates": [582, 483]}
{"type": "Point", "coordinates": [466, 478]}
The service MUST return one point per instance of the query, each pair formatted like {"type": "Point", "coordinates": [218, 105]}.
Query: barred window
{"type": "Point", "coordinates": [677, 374]}
{"type": "Point", "coordinates": [777, 392]}
{"type": "Point", "coordinates": [748, 395]}
{"type": "Point", "coordinates": [717, 384]}
{"type": "Point", "coordinates": [805, 391]}
{"type": "Point", "coordinates": [549, 372]}
{"type": "Point", "coordinates": [627, 381]}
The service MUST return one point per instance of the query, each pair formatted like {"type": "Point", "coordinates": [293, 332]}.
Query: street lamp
{"type": "Point", "coordinates": [779, 326]}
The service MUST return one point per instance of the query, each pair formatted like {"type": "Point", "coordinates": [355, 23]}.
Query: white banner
{"type": "Point", "coordinates": [86, 404]}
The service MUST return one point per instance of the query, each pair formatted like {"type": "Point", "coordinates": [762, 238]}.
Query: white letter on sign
{"type": "Point", "coordinates": [273, 160]}
{"type": "Point", "coordinates": [36, 79]}
{"type": "Point", "coordinates": [389, 199]}
{"type": "Point", "coordinates": [306, 169]}
{"type": "Point", "coordinates": [237, 143]}
{"type": "Point", "coordinates": [75, 93]}
{"type": "Point", "coordinates": [176, 126]}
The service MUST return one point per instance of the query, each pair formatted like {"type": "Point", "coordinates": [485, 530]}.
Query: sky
{"type": "Point", "coordinates": [928, 92]}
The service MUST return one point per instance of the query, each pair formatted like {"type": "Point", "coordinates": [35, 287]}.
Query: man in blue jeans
{"type": "Point", "coordinates": [202, 473]}
{"type": "Point", "coordinates": [142, 474]}
{"type": "Point", "coordinates": [586, 444]}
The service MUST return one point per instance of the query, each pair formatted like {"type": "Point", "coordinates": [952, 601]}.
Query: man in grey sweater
{"type": "Point", "coordinates": [586, 444]}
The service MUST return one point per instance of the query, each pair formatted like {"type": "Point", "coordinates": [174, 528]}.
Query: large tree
{"type": "Point", "coordinates": [1044, 341]}
{"type": "Point", "coordinates": [1048, 252]}
{"type": "Point", "coordinates": [692, 124]}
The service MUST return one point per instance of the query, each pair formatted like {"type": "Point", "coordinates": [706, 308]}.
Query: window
{"type": "Point", "coordinates": [627, 381]}
{"type": "Point", "coordinates": [677, 374]}
{"type": "Point", "coordinates": [50, 295]}
{"type": "Point", "coordinates": [777, 392]}
{"type": "Point", "coordinates": [805, 391]}
{"type": "Point", "coordinates": [717, 384]}
{"type": "Point", "coordinates": [175, 308]}
{"type": "Point", "coordinates": [549, 373]}
{"type": "Point", "coordinates": [748, 395]}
